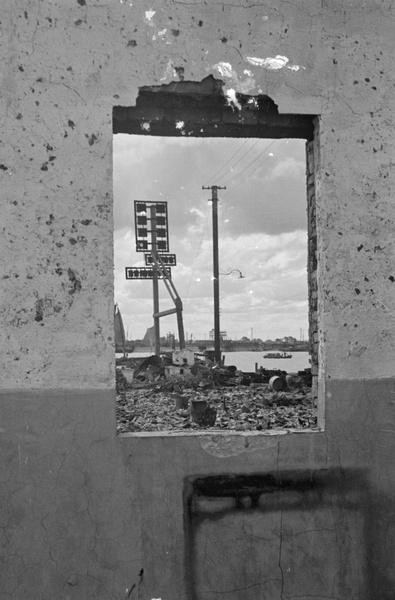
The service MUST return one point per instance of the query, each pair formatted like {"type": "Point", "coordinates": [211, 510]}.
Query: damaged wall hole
{"type": "Point", "coordinates": [192, 110]}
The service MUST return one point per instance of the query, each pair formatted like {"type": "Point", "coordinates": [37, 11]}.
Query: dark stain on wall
{"type": "Point", "coordinates": [91, 138]}
{"type": "Point", "coordinates": [39, 310]}
{"type": "Point", "coordinates": [299, 533]}
{"type": "Point", "coordinates": [76, 283]}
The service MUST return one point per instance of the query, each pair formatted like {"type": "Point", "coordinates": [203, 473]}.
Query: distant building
{"type": "Point", "coordinates": [222, 334]}
{"type": "Point", "coordinates": [149, 337]}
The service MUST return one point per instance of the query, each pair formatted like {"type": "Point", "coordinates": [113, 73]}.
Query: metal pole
{"type": "Point", "coordinates": [180, 323]}
{"type": "Point", "coordinates": [158, 263]}
{"type": "Point", "coordinates": [217, 335]}
{"type": "Point", "coordinates": [155, 285]}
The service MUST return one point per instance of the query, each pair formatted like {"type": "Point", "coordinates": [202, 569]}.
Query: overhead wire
{"type": "Point", "coordinates": [233, 178]}
{"type": "Point", "coordinates": [227, 162]}
{"type": "Point", "coordinates": [237, 175]}
{"type": "Point", "coordinates": [240, 159]}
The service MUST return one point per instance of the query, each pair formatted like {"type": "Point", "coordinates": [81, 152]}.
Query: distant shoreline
{"type": "Point", "coordinates": [164, 349]}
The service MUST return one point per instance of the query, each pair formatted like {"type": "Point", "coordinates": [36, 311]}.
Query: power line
{"type": "Point", "coordinates": [237, 175]}
{"type": "Point", "coordinates": [228, 161]}
{"type": "Point", "coordinates": [253, 171]}
{"type": "Point", "coordinates": [240, 159]}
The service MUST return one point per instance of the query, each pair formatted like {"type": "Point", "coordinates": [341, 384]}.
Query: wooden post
{"type": "Point", "coordinates": [217, 334]}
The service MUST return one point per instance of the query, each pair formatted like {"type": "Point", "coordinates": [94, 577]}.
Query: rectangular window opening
{"type": "Point", "coordinates": [267, 284]}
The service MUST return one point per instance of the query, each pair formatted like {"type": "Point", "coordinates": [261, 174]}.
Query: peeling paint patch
{"type": "Point", "coordinates": [146, 126]}
{"type": "Point", "coordinates": [180, 124]}
{"type": "Point", "coordinates": [170, 72]}
{"type": "Point", "coordinates": [253, 102]}
{"type": "Point", "coordinates": [273, 64]}
{"type": "Point", "coordinates": [225, 69]}
{"type": "Point", "coordinates": [225, 446]}
{"type": "Point", "coordinates": [269, 63]}
{"type": "Point", "coordinates": [231, 98]}
{"type": "Point", "coordinates": [149, 15]}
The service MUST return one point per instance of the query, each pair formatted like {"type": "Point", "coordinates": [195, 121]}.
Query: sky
{"type": "Point", "coordinates": [262, 230]}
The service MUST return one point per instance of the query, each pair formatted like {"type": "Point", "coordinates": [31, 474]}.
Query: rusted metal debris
{"type": "Point", "coordinates": [155, 397]}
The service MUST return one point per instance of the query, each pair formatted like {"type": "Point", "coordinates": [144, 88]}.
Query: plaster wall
{"type": "Point", "coordinates": [86, 514]}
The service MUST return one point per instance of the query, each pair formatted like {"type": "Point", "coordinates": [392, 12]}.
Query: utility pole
{"type": "Point", "coordinates": [217, 336]}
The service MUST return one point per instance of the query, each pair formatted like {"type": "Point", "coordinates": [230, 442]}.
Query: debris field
{"type": "Point", "coordinates": [212, 399]}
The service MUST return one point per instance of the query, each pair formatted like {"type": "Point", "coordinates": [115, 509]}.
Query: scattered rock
{"type": "Point", "coordinates": [157, 406]}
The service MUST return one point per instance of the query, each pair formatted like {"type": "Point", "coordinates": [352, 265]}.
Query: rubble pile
{"type": "Point", "coordinates": [212, 399]}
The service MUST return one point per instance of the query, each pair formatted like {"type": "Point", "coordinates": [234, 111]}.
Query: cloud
{"type": "Point", "coordinates": [174, 170]}
{"type": "Point", "coordinates": [274, 283]}
{"type": "Point", "coordinates": [289, 168]}
{"type": "Point", "coordinates": [196, 211]}
{"type": "Point", "coordinates": [262, 231]}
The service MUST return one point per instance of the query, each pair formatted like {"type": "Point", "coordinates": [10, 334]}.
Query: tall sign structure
{"type": "Point", "coordinates": [217, 334]}
{"type": "Point", "coordinates": [152, 237]}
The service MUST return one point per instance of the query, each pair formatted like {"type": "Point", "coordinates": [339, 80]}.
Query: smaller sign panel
{"type": "Point", "coordinates": [168, 259]}
{"type": "Point", "coordinates": [143, 273]}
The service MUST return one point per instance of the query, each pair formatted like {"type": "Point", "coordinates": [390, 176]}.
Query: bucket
{"type": "Point", "coordinates": [181, 401]}
{"type": "Point", "coordinates": [198, 408]}
{"type": "Point", "coordinates": [203, 414]}
{"type": "Point", "coordinates": [276, 383]}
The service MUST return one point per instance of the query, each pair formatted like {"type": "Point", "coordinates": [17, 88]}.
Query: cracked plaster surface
{"type": "Point", "coordinates": [84, 512]}
{"type": "Point", "coordinates": [65, 523]}
{"type": "Point", "coordinates": [66, 67]}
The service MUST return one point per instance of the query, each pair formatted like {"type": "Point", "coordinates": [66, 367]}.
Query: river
{"type": "Point", "coordinates": [245, 361]}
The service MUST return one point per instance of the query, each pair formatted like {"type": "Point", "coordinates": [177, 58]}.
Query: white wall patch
{"type": "Point", "coordinates": [273, 63]}
{"type": "Point", "coordinates": [225, 69]}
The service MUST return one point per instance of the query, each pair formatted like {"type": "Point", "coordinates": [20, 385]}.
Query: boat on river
{"type": "Point", "coordinates": [277, 355]}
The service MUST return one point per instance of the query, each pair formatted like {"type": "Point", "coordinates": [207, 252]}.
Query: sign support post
{"type": "Point", "coordinates": [155, 285]}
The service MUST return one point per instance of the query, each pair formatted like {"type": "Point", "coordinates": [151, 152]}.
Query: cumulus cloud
{"type": "Point", "coordinates": [262, 231]}
{"type": "Point", "coordinates": [289, 168]}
